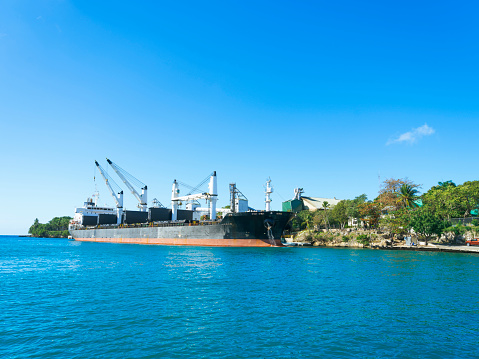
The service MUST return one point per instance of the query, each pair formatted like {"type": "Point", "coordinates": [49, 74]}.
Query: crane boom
{"type": "Point", "coordinates": [211, 196]}
{"type": "Point", "coordinates": [123, 174]}
{"type": "Point", "coordinates": [118, 198]}
{"type": "Point", "coordinates": [192, 197]}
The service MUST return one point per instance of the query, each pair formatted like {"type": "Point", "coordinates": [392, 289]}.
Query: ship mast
{"type": "Point", "coordinates": [268, 191]}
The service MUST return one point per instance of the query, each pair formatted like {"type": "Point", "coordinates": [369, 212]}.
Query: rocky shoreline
{"type": "Point", "coordinates": [360, 238]}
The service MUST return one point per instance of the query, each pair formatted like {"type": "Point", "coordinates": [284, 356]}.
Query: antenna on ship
{"type": "Point", "coordinates": [96, 194]}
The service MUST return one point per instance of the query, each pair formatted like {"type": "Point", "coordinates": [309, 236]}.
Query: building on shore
{"type": "Point", "coordinates": [300, 202]}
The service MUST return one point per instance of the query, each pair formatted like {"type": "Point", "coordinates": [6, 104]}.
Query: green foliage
{"type": "Point", "coordinates": [303, 220]}
{"type": "Point", "coordinates": [446, 184]}
{"type": "Point", "coordinates": [363, 239]}
{"type": "Point", "coordinates": [397, 193]}
{"type": "Point", "coordinates": [339, 213]}
{"type": "Point", "coordinates": [458, 230]}
{"type": "Point", "coordinates": [346, 239]}
{"type": "Point", "coordinates": [322, 219]}
{"type": "Point", "coordinates": [451, 201]}
{"type": "Point", "coordinates": [397, 222]}
{"type": "Point", "coordinates": [474, 230]}
{"type": "Point", "coordinates": [426, 223]}
{"type": "Point", "coordinates": [475, 222]}
{"type": "Point", "coordinates": [370, 213]}
{"type": "Point", "coordinates": [353, 206]}
{"type": "Point", "coordinates": [322, 237]}
{"type": "Point", "coordinates": [407, 196]}
{"type": "Point", "coordinates": [55, 228]}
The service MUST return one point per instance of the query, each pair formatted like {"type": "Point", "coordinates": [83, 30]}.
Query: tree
{"type": "Point", "coordinates": [339, 213]}
{"type": "Point", "coordinates": [353, 206]}
{"type": "Point", "coordinates": [390, 193]}
{"type": "Point", "coordinates": [446, 184]}
{"type": "Point", "coordinates": [56, 227]}
{"type": "Point", "coordinates": [326, 205]}
{"type": "Point", "coordinates": [303, 219]}
{"type": "Point", "coordinates": [407, 195]}
{"type": "Point", "coordinates": [451, 201]}
{"type": "Point", "coordinates": [319, 218]}
{"type": "Point", "coordinates": [397, 222]}
{"type": "Point", "coordinates": [470, 192]}
{"type": "Point", "coordinates": [370, 212]}
{"type": "Point", "coordinates": [426, 223]}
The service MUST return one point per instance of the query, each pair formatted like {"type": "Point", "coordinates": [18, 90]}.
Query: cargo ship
{"type": "Point", "coordinates": [236, 226]}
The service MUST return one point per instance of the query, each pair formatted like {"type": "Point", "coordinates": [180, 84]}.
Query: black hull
{"type": "Point", "coordinates": [253, 229]}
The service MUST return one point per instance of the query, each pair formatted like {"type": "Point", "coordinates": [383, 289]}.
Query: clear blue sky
{"type": "Point", "coordinates": [322, 95]}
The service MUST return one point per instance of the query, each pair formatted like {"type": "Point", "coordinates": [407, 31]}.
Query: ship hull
{"type": "Point", "coordinates": [249, 229]}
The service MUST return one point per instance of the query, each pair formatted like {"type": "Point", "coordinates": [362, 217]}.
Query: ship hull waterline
{"type": "Point", "coordinates": [206, 242]}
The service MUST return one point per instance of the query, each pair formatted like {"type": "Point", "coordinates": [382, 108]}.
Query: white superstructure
{"type": "Point", "coordinates": [88, 214]}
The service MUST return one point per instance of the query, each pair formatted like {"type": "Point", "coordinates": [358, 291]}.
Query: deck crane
{"type": "Point", "coordinates": [142, 205]}
{"type": "Point", "coordinates": [211, 195]}
{"type": "Point", "coordinates": [118, 197]}
{"type": "Point", "coordinates": [157, 204]}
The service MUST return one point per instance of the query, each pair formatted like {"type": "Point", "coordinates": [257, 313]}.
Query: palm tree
{"type": "Point", "coordinates": [326, 205]}
{"type": "Point", "coordinates": [407, 195]}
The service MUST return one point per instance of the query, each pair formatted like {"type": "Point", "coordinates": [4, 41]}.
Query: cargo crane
{"type": "Point", "coordinates": [211, 195]}
{"type": "Point", "coordinates": [157, 204]}
{"type": "Point", "coordinates": [142, 205]}
{"type": "Point", "coordinates": [118, 197]}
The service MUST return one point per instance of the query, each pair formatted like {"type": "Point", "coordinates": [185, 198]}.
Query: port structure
{"type": "Point", "coordinates": [115, 191]}
{"type": "Point", "coordinates": [238, 201]}
{"type": "Point", "coordinates": [127, 178]}
{"type": "Point", "coordinates": [211, 196]}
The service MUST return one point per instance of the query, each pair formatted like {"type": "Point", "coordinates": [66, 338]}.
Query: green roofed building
{"type": "Point", "coordinates": [300, 203]}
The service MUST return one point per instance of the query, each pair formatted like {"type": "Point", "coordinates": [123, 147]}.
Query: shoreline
{"type": "Point", "coordinates": [428, 248]}
{"type": "Point", "coordinates": [436, 248]}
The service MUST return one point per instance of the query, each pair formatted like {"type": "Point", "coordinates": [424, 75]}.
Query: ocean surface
{"type": "Point", "coordinates": [66, 299]}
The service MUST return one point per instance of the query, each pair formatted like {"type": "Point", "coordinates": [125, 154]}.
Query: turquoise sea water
{"type": "Point", "coordinates": [66, 299]}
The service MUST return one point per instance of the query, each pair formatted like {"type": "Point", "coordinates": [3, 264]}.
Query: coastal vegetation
{"type": "Point", "coordinates": [443, 214]}
{"type": "Point", "coordinates": [55, 228]}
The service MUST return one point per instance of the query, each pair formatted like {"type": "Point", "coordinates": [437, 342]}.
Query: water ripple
{"type": "Point", "coordinates": [68, 299]}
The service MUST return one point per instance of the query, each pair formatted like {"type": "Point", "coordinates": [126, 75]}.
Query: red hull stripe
{"type": "Point", "coordinates": [187, 241]}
